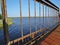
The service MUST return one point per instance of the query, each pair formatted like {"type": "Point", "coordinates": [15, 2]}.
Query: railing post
{"type": "Point", "coordinates": [20, 1]}
{"type": "Point", "coordinates": [35, 13]}
{"type": "Point", "coordinates": [43, 14]}
{"type": "Point", "coordinates": [5, 24]}
{"type": "Point", "coordinates": [48, 16]}
{"type": "Point", "coordinates": [29, 16]}
{"type": "Point", "coordinates": [39, 13]}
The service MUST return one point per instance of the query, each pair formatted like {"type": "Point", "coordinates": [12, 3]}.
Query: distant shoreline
{"type": "Point", "coordinates": [32, 17]}
{"type": "Point", "coordinates": [9, 21]}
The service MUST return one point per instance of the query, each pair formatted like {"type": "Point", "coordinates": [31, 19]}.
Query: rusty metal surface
{"type": "Point", "coordinates": [5, 24]}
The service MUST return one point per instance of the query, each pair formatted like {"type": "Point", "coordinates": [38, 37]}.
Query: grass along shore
{"type": "Point", "coordinates": [9, 21]}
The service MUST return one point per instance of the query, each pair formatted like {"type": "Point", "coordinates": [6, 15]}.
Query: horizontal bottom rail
{"type": "Point", "coordinates": [35, 39]}
{"type": "Point", "coordinates": [24, 37]}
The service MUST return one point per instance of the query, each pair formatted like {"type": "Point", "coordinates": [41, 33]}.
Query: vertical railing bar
{"type": "Point", "coordinates": [54, 17]}
{"type": "Point", "coordinates": [29, 16]}
{"type": "Point", "coordinates": [58, 17]}
{"type": "Point", "coordinates": [48, 16]}
{"type": "Point", "coordinates": [45, 10]}
{"type": "Point", "coordinates": [43, 15]}
{"type": "Point", "coordinates": [5, 24]}
{"type": "Point", "coordinates": [39, 13]}
{"type": "Point", "coordinates": [52, 13]}
{"type": "Point", "coordinates": [21, 19]}
{"type": "Point", "coordinates": [35, 13]}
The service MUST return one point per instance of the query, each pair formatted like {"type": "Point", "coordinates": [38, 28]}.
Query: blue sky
{"type": "Point", "coordinates": [13, 7]}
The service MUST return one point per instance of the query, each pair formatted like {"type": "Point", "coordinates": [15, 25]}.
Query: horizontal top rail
{"type": "Point", "coordinates": [52, 4]}
{"type": "Point", "coordinates": [48, 3]}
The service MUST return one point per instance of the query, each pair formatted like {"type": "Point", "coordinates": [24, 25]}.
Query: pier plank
{"type": "Point", "coordinates": [53, 38]}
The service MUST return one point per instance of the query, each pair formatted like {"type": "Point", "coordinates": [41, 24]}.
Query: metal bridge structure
{"type": "Point", "coordinates": [33, 37]}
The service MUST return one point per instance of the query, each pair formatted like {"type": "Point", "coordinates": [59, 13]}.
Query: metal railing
{"type": "Point", "coordinates": [48, 9]}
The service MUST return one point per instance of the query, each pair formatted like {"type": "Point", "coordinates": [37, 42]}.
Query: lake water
{"type": "Point", "coordinates": [15, 32]}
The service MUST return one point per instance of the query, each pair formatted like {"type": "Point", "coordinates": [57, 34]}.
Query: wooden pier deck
{"type": "Point", "coordinates": [53, 38]}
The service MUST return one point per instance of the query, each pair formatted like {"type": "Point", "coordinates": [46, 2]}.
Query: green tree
{"type": "Point", "coordinates": [0, 6]}
{"type": "Point", "coordinates": [0, 16]}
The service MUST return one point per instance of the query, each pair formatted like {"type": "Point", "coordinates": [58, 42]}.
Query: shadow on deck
{"type": "Point", "coordinates": [53, 38]}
